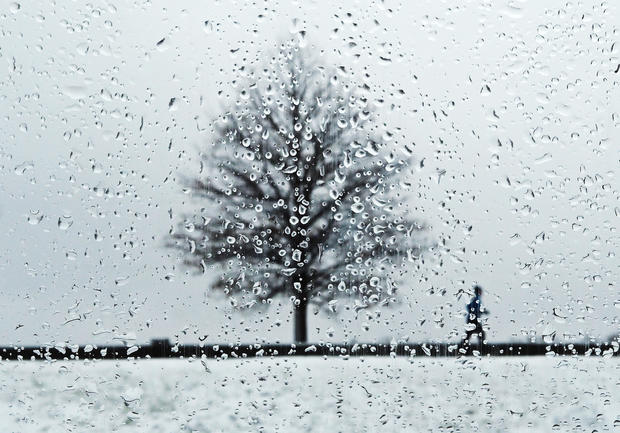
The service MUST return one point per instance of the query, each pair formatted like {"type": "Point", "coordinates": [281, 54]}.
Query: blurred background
{"type": "Point", "coordinates": [511, 113]}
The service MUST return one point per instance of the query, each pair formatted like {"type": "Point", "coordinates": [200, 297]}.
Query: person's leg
{"type": "Point", "coordinates": [481, 334]}
{"type": "Point", "coordinates": [477, 331]}
{"type": "Point", "coordinates": [470, 331]}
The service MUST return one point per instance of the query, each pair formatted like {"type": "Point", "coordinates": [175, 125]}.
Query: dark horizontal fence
{"type": "Point", "coordinates": [164, 349]}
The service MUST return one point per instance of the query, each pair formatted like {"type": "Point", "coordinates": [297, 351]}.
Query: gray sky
{"type": "Point", "coordinates": [514, 108]}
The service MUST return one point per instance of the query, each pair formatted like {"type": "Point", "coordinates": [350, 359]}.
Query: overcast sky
{"type": "Point", "coordinates": [512, 110]}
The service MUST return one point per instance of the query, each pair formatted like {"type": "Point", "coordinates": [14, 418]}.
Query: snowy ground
{"type": "Point", "coordinates": [312, 395]}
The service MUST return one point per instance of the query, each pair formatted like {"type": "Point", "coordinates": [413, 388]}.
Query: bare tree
{"type": "Point", "coordinates": [298, 196]}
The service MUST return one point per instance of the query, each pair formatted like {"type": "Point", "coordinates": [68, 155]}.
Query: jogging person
{"type": "Point", "coordinates": [474, 311]}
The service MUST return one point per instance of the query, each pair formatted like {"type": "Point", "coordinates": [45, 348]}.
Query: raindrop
{"type": "Point", "coordinates": [357, 207]}
{"type": "Point", "coordinates": [35, 217]}
{"type": "Point", "coordinates": [296, 255]}
{"type": "Point", "coordinates": [21, 169]}
{"type": "Point", "coordinates": [121, 281]}
{"type": "Point", "coordinates": [161, 45]}
{"type": "Point", "coordinates": [65, 222]}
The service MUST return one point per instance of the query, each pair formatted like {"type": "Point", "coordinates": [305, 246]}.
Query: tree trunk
{"type": "Point", "coordinates": [301, 321]}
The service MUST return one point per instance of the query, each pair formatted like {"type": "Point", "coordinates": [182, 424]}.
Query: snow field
{"type": "Point", "coordinates": [312, 395]}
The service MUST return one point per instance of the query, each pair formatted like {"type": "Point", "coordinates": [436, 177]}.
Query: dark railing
{"type": "Point", "coordinates": [162, 348]}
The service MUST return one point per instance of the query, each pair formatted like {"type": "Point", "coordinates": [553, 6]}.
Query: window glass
{"type": "Point", "coordinates": [393, 195]}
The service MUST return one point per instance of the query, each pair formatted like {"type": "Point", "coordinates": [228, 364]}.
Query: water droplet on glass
{"type": "Point", "coordinates": [65, 222]}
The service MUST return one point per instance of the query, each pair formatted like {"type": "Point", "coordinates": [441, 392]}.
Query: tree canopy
{"type": "Point", "coordinates": [299, 194]}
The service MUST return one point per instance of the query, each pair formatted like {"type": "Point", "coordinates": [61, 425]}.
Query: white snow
{"type": "Point", "coordinates": [312, 395]}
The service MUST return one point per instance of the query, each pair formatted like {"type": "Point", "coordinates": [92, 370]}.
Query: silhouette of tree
{"type": "Point", "coordinates": [298, 195]}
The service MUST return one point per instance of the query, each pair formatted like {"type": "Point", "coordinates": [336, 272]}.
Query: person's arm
{"type": "Point", "coordinates": [469, 312]}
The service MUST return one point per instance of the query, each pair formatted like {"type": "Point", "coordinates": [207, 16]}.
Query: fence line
{"type": "Point", "coordinates": [162, 348]}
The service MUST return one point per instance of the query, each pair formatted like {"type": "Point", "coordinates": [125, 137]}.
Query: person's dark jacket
{"type": "Point", "coordinates": [473, 309]}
